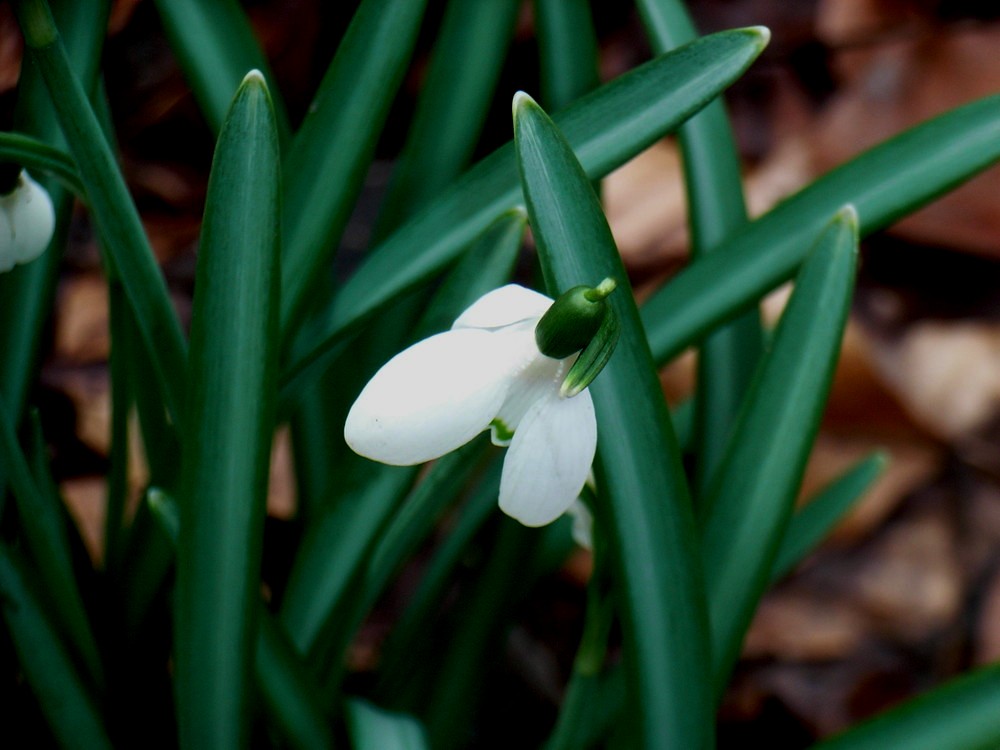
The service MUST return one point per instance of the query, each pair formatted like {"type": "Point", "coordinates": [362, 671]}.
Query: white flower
{"type": "Point", "coordinates": [486, 372]}
{"type": "Point", "coordinates": [26, 222]}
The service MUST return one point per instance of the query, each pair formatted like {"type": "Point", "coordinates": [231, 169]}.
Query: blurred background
{"type": "Point", "coordinates": [907, 591]}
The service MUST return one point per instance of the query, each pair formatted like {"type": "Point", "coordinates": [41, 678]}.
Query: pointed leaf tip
{"type": "Point", "coordinates": [763, 32]}
{"type": "Point", "coordinates": [521, 99]}
{"type": "Point", "coordinates": [255, 76]}
{"type": "Point", "coordinates": [848, 214]}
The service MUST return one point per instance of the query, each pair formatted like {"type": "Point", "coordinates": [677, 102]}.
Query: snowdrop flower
{"type": "Point", "coordinates": [488, 372]}
{"type": "Point", "coordinates": [26, 222]}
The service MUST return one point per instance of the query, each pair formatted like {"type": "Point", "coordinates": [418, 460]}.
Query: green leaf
{"type": "Point", "coordinates": [963, 714]}
{"type": "Point", "coordinates": [374, 728]}
{"type": "Point", "coordinates": [716, 210]}
{"type": "Point", "coordinates": [567, 51]}
{"type": "Point", "coordinates": [817, 518]}
{"type": "Point", "coordinates": [67, 706]}
{"type": "Point", "coordinates": [38, 157]}
{"type": "Point", "coordinates": [327, 161]}
{"type": "Point", "coordinates": [651, 536]}
{"type": "Point", "coordinates": [338, 543]}
{"type": "Point", "coordinates": [215, 46]}
{"type": "Point", "coordinates": [884, 184]}
{"type": "Point", "coordinates": [43, 527]}
{"type": "Point", "coordinates": [753, 492]}
{"type": "Point", "coordinates": [230, 416]}
{"type": "Point", "coordinates": [606, 129]}
{"type": "Point", "coordinates": [287, 690]}
{"type": "Point", "coordinates": [454, 100]}
{"type": "Point", "coordinates": [110, 204]}
{"type": "Point", "coordinates": [26, 292]}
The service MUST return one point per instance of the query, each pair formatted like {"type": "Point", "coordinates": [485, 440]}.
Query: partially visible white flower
{"type": "Point", "coordinates": [486, 372]}
{"type": "Point", "coordinates": [583, 524]}
{"type": "Point", "coordinates": [26, 222]}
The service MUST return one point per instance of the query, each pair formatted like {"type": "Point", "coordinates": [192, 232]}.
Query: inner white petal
{"type": "Point", "coordinates": [503, 307]}
{"type": "Point", "coordinates": [538, 378]}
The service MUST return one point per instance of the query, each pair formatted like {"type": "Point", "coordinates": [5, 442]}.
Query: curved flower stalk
{"type": "Point", "coordinates": [27, 221]}
{"type": "Point", "coordinates": [488, 372]}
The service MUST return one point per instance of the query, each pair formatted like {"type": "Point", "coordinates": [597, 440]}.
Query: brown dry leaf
{"type": "Point", "coordinates": [946, 374]}
{"type": "Point", "coordinates": [281, 485]}
{"type": "Point", "coordinates": [81, 325]}
{"type": "Point", "coordinates": [11, 46]}
{"type": "Point", "coordinates": [910, 583]}
{"type": "Point", "coordinates": [86, 500]}
{"type": "Point", "coordinates": [916, 72]}
{"type": "Point", "coordinates": [646, 209]}
{"type": "Point", "coordinates": [804, 625]}
{"type": "Point", "coordinates": [90, 391]}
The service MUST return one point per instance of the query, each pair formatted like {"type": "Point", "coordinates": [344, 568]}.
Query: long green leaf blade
{"type": "Point", "coordinates": [810, 525]}
{"type": "Point", "coordinates": [44, 530]}
{"type": "Point", "coordinates": [605, 128]}
{"type": "Point", "coordinates": [328, 158]}
{"type": "Point", "coordinates": [884, 184]}
{"type": "Point", "coordinates": [230, 415]}
{"type": "Point", "coordinates": [374, 728]}
{"type": "Point", "coordinates": [454, 100]}
{"type": "Point", "coordinates": [67, 706]}
{"type": "Point", "coordinates": [753, 492]}
{"type": "Point", "coordinates": [110, 204]}
{"type": "Point", "coordinates": [567, 51]}
{"type": "Point", "coordinates": [37, 157]}
{"type": "Point", "coordinates": [215, 46]}
{"type": "Point", "coordinates": [652, 544]}
{"type": "Point", "coordinates": [716, 210]}
{"type": "Point", "coordinates": [963, 714]}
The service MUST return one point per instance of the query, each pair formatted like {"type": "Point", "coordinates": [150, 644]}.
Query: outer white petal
{"type": "Point", "coordinates": [32, 219]}
{"type": "Point", "coordinates": [502, 307]}
{"type": "Point", "coordinates": [431, 398]}
{"type": "Point", "coordinates": [548, 460]}
{"type": "Point", "coordinates": [583, 524]}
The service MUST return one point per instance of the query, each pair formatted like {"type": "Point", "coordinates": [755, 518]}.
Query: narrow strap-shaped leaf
{"type": "Point", "coordinates": [651, 535]}
{"type": "Point", "coordinates": [215, 46]}
{"type": "Point", "coordinates": [811, 524]}
{"type": "Point", "coordinates": [26, 291]}
{"type": "Point", "coordinates": [753, 492]}
{"type": "Point", "coordinates": [288, 692]}
{"type": "Point", "coordinates": [42, 524]}
{"type": "Point", "coordinates": [40, 157]}
{"type": "Point", "coordinates": [68, 708]}
{"type": "Point", "coordinates": [963, 714]}
{"type": "Point", "coordinates": [473, 649]}
{"type": "Point", "coordinates": [716, 210]}
{"type": "Point", "coordinates": [606, 129]}
{"type": "Point", "coordinates": [374, 728]}
{"type": "Point", "coordinates": [884, 183]}
{"type": "Point", "coordinates": [110, 204]}
{"type": "Point", "coordinates": [402, 656]}
{"type": "Point", "coordinates": [230, 417]}
{"type": "Point", "coordinates": [567, 51]}
{"type": "Point", "coordinates": [329, 156]}
{"type": "Point", "coordinates": [336, 546]}
{"type": "Point", "coordinates": [454, 100]}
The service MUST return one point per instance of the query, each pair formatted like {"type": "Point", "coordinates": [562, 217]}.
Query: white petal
{"type": "Point", "coordinates": [32, 219]}
{"type": "Point", "coordinates": [537, 379]}
{"type": "Point", "coordinates": [431, 398]}
{"type": "Point", "coordinates": [583, 524]}
{"type": "Point", "coordinates": [549, 458]}
{"type": "Point", "coordinates": [502, 307]}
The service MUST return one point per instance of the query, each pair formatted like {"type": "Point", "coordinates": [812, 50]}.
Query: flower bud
{"type": "Point", "coordinates": [573, 320]}
{"type": "Point", "coordinates": [27, 221]}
